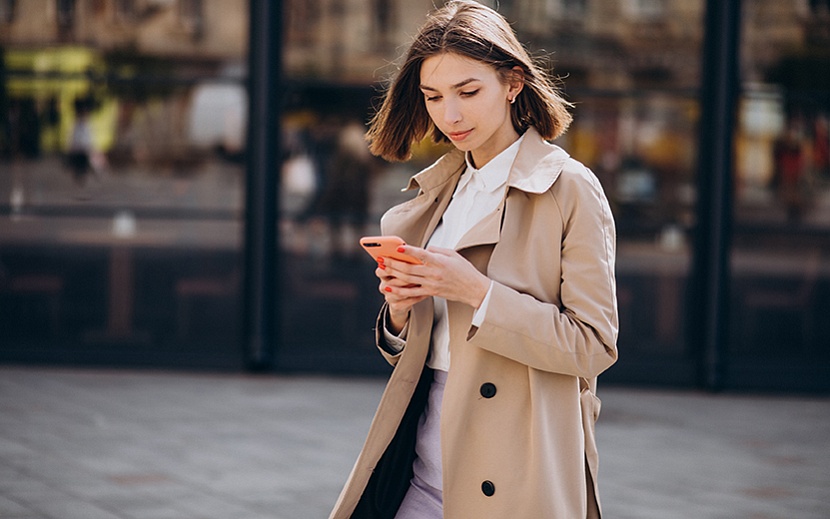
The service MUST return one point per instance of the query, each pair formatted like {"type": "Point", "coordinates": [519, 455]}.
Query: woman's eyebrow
{"type": "Point", "coordinates": [455, 86]}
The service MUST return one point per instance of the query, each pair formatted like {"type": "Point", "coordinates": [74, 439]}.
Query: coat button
{"type": "Point", "coordinates": [488, 488]}
{"type": "Point", "coordinates": [488, 390]}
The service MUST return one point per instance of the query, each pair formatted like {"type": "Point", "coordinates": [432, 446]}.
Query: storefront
{"type": "Point", "coordinates": [211, 239]}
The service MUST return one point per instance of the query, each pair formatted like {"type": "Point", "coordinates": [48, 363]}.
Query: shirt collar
{"type": "Point", "coordinates": [494, 174]}
{"type": "Point", "coordinates": [537, 166]}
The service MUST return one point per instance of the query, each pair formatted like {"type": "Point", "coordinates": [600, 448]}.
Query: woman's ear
{"type": "Point", "coordinates": [516, 81]}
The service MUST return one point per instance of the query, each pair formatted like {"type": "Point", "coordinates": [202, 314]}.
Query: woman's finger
{"type": "Point", "coordinates": [395, 282]}
{"type": "Point", "coordinates": [416, 252]}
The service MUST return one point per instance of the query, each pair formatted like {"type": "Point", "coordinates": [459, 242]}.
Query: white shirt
{"type": "Point", "coordinates": [479, 192]}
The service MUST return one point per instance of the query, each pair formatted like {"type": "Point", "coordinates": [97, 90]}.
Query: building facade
{"type": "Point", "coordinates": [136, 257]}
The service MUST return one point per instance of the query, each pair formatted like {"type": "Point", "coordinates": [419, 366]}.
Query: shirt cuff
{"type": "Point", "coordinates": [481, 312]}
{"type": "Point", "coordinates": [395, 342]}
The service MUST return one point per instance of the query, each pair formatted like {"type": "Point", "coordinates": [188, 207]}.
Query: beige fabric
{"type": "Point", "coordinates": [550, 329]}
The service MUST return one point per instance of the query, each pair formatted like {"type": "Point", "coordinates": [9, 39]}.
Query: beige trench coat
{"type": "Point", "coordinates": [550, 329]}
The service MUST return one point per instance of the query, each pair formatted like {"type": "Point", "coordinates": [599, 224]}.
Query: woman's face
{"type": "Point", "coordinates": [469, 103]}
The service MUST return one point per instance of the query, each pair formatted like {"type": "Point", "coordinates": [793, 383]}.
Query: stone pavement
{"type": "Point", "coordinates": [83, 444]}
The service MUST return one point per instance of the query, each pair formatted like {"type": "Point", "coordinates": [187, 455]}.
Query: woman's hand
{"type": "Point", "coordinates": [444, 273]}
{"type": "Point", "coordinates": [390, 286]}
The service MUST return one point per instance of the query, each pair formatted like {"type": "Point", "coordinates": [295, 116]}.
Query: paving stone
{"type": "Point", "coordinates": [101, 444]}
{"type": "Point", "coordinates": [9, 508]}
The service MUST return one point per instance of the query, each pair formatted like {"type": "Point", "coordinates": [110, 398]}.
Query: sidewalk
{"type": "Point", "coordinates": [78, 444]}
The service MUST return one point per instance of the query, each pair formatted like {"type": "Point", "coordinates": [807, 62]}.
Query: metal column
{"type": "Point", "coordinates": [262, 264]}
{"type": "Point", "coordinates": [709, 297]}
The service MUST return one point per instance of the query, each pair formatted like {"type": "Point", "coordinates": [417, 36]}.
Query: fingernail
{"type": "Point", "coordinates": [380, 260]}
{"type": "Point", "coordinates": [388, 289]}
{"type": "Point", "coordinates": [401, 249]}
{"type": "Point", "coordinates": [382, 266]}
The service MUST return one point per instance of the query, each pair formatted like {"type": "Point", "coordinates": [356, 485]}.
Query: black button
{"type": "Point", "coordinates": [488, 390]}
{"type": "Point", "coordinates": [488, 488]}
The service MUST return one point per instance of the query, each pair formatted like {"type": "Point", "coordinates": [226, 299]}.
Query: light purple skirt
{"type": "Point", "coordinates": [423, 500]}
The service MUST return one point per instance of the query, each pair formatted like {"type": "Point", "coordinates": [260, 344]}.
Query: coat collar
{"type": "Point", "coordinates": [537, 166]}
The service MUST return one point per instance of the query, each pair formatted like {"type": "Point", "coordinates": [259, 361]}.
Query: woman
{"type": "Point", "coordinates": [497, 338]}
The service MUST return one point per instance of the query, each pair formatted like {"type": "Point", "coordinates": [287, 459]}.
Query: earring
{"type": "Point", "coordinates": [513, 101]}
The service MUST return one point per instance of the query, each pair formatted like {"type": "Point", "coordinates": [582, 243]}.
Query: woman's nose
{"type": "Point", "coordinates": [452, 114]}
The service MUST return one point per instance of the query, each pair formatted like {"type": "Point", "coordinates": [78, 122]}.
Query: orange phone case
{"type": "Point", "coordinates": [386, 246]}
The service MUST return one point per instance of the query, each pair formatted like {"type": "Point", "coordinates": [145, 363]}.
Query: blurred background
{"type": "Point", "coordinates": [138, 227]}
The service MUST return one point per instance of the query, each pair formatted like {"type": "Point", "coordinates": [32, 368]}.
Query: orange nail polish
{"type": "Point", "coordinates": [401, 249]}
{"type": "Point", "coordinates": [388, 289]}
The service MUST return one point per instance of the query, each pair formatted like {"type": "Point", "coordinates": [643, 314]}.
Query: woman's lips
{"type": "Point", "coordinates": [459, 136]}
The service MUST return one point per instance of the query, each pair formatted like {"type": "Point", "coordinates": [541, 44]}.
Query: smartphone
{"type": "Point", "coordinates": [386, 246]}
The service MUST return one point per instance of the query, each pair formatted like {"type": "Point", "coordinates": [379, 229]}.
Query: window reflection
{"type": "Point", "coordinates": [332, 193]}
{"type": "Point", "coordinates": [124, 146]}
{"type": "Point", "coordinates": [65, 14]}
{"type": "Point", "coordinates": [783, 159]}
{"type": "Point", "coordinates": [632, 70]}
{"type": "Point", "coordinates": [782, 145]}
{"type": "Point", "coordinates": [123, 143]}
{"type": "Point", "coordinates": [7, 10]}
{"type": "Point", "coordinates": [125, 10]}
{"type": "Point", "coordinates": [781, 235]}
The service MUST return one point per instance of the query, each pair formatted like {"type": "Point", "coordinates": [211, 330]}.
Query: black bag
{"type": "Point", "coordinates": [388, 484]}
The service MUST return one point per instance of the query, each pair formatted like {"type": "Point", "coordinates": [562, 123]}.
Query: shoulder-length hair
{"type": "Point", "coordinates": [475, 31]}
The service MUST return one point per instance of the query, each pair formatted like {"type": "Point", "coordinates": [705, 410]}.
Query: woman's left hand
{"type": "Point", "coordinates": [444, 273]}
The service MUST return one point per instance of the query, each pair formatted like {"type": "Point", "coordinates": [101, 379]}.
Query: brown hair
{"type": "Point", "coordinates": [475, 31]}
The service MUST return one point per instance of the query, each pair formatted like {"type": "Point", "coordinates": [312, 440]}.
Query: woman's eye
{"type": "Point", "coordinates": [433, 98]}
{"type": "Point", "coordinates": [470, 93]}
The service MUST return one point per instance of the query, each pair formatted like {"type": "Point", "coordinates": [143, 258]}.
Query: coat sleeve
{"type": "Point", "coordinates": [577, 337]}
{"type": "Point", "coordinates": [390, 352]}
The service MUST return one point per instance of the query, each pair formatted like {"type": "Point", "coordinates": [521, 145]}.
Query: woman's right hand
{"type": "Point", "coordinates": [399, 305]}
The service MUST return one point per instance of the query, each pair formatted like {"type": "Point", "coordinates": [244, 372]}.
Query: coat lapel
{"type": "Point", "coordinates": [537, 166]}
{"type": "Point", "coordinates": [486, 232]}
{"type": "Point", "coordinates": [525, 175]}
{"type": "Point", "coordinates": [415, 220]}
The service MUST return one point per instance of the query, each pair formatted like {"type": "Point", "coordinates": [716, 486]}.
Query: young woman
{"type": "Point", "coordinates": [498, 337]}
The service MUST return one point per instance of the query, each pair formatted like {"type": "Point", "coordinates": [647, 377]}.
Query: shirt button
{"type": "Point", "coordinates": [488, 488]}
{"type": "Point", "coordinates": [488, 390]}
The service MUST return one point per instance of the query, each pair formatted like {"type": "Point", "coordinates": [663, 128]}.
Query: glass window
{"type": "Point", "coordinates": [573, 8]}
{"type": "Point", "coordinates": [332, 190]}
{"type": "Point", "coordinates": [384, 15]}
{"type": "Point", "coordinates": [635, 125]}
{"type": "Point", "coordinates": [7, 10]}
{"type": "Point", "coordinates": [122, 239]}
{"type": "Point", "coordinates": [780, 264]}
{"type": "Point", "coordinates": [819, 7]}
{"type": "Point", "coordinates": [191, 16]}
{"type": "Point", "coordinates": [65, 13]}
{"type": "Point", "coordinates": [645, 9]}
{"type": "Point", "coordinates": [301, 23]}
{"type": "Point", "coordinates": [125, 10]}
